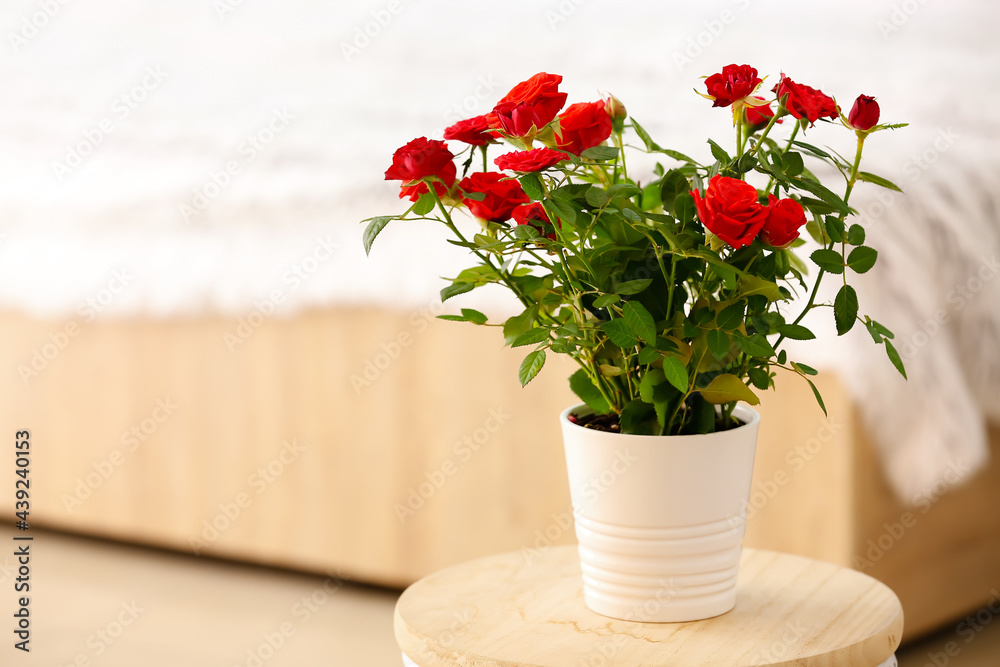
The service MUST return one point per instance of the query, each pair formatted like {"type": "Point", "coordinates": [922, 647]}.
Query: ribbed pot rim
{"type": "Point", "coordinates": [742, 411]}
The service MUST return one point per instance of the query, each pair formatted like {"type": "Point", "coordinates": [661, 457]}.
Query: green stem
{"type": "Point", "coordinates": [847, 196]}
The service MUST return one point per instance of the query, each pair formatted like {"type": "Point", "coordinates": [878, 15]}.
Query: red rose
{"type": "Point", "coordinates": [419, 159]}
{"type": "Point", "coordinates": [503, 195]}
{"type": "Point", "coordinates": [784, 219]}
{"type": "Point", "coordinates": [519, 119]}
{"type": "Point", "coordinates": [864, 114]}
{"type": "Point", "coordinates": [582, 126]}
{"type": "Point", "coordinates": [534, 214]}
{"type": "Point", "coordinates": [535, 88]}
{"type": "Point", "coordinates": [806, 102]}
{"type": "Point", "coordinates": [473, 131]}
{"type": "Point", "coordinates": [533, 160]}
{"type": "Point", "coordinates": [730, 210]}
{"type": "Point", "coordinates": [732, 84]}
{"type": "Point", "coordinates": [531, 103]}
{"type": "Point", "coordinates": [755, 116]}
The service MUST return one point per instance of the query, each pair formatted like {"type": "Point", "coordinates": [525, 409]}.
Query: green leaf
{"type": "Point", "coordinates": [518, 324]}
{"type": "Point", "coordinates": [455, 289]}
{"type": "Point", "coordinates": [649, 355]}
{"type": "Point", "coordinates": [719, 153]}
{"type": "Point", "coordinates": [751, 284]}
{"type": "Point", "coordinates": [635, 418]}
{"type": "Point", "coordinates": [651, 145]}
{"type": "Point", "coordinates": [633, 286]}
{"type": "Point", "coordinates": [684, 208]}
{"type": "Point", "coordinates": [649, 382]}
{"type": "Point", "coordinates": [868, 177]}
{"type": "Point", "coordinates": [525, 232]}
{"type": "Point", "coordinates": [372, 230]}
{"type": "Point", "coordinates": [731, 317]}
{"type": "Point", "coordinates": [598, 197]}
{"type": "Point", "coordinates": [677, 155]}
{"type": "Point", "coordinates": [856, 235]}
{"type": "Point", "coordinates": [606, 300]}
{"type": "Point", "coordinates": [474, 316]}
{"type": "Point", "coordinates": [895, 358]}
{"type": "Point", "coordinates": [619, 334]}
{"type": "Point", "coordinates": [828, 260]}
{"type": "Point", "coordinates": [631, 216]}
{"type": "Point", "coordinates": [588, 392]}
{"type": "Point", "coordinates": [676, 373]}
{"type": "Point", "coordinates": [760, 378]}
{"type": "Point", "coordinates": [531, 337]}
{"type": "Point", "coordinates": [819, 399]}
{"type": "Point", "coordinates": [809, 148]}
{"type": "Point", "coordinates": [600, 153]}
{"type": "Point", "coordinates": [557, 208]}
{"type": "Point", "coordinates": [793, 165]}
{"type": "Point", "coordinates": [674, 184]}
{"type": "Point", "coordinates": [755, 346]}
{"type": "Point", "coordinates": [639, 321]}
{"type": "Point", "coordinates": [796, 332]}
{"type": "Point", "coordinates": [807, 370]}
{"type": "Point", "coordinates": [822, 192]}
{"type": "Point", "coordinates": [718, 343]}
{"type": "Point", "coordinates": [530, 366]}
{"type": "Point", "coordinates": [862, 258]}
{"type": "Point", "coordinates": [835, 228]}
{"type": "Point", "coordinates": [727, 388]}
{"type": "Point", "coordinates": [845, 309]}
{"type": "Point", "coordinates": [427, 202]}
{"type": "Point", "coordinates": [532, 186]}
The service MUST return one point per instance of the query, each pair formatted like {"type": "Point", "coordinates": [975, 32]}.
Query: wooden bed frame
{"type": "Point", "coordinates": [383, 445]}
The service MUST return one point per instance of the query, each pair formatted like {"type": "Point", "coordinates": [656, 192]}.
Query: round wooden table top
{"type": "Point", "coordinates": [519, 609]}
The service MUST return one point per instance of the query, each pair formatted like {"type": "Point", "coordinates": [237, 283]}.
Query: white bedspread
{"type": "Point", "coordinates": [200, 156]}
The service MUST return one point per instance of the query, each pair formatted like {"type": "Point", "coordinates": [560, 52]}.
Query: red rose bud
{"type": "Point", "coordinates": [734, 83]}
{"type": "Point", "coordinates": [419, 159]}
{"type": "Point", "coordinates": [756, 117]}
{"type": "Point", "coordinates": [730, 210]}
{"type": "Point", "coordinates": [528, 161]}
{"type": "Point", "coordinates": [806, 102]}
{"type": "Point", "coordinates": [474, 131]}
{"type": "Point", "coordinates": [864, 114]}
{"type": "Point", "coordinates": [582, 126]}
{"type": "Point", "coordinates": [534, 214]}
{"type": "Point", "coordinates": [615, 108]}
{"type": "Point", "coordinates": [784, 219]}
{"type": "Point", "coordinates": [502, 195]}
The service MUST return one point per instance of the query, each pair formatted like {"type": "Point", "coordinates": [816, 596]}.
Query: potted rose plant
{"type": "Point", "coordinates": [669, 289]}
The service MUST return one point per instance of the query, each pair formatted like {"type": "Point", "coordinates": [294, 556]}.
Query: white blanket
{"type": "Point", "coordinates": [196, 156]}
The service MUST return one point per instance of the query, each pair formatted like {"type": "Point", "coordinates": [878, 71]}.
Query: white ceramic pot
{"type": "Point", "coordinates": [660, 519]}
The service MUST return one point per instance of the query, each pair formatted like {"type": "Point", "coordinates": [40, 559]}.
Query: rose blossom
{"type": "Point", "coordinates": [806, 102]}
{"type": "Point", "coordinates": [502, 195]}
{"type": "Point", "coordinates": [582, 126]}
{"type": "Point", "coordinates": [528, 161]}
{"type": "Point", "coordinates": [419, 159]}
{"type": "Point", "coordinates": [784, 219]}
{"type": "Point", "coordinates": [730, 210]}
{"type": "Point", "coordinates": [474, 131]}
{"type": "Point", "coordinates": [733, 84]}
{"type": "Point", "coordinates": [531, 103]}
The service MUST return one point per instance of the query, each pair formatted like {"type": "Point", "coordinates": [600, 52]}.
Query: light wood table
{"type": "Point", "coordinates": [525, 609]}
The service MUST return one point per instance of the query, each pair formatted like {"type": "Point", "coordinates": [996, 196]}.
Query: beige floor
{"type": "Point", "coordinates": [187, 612]}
